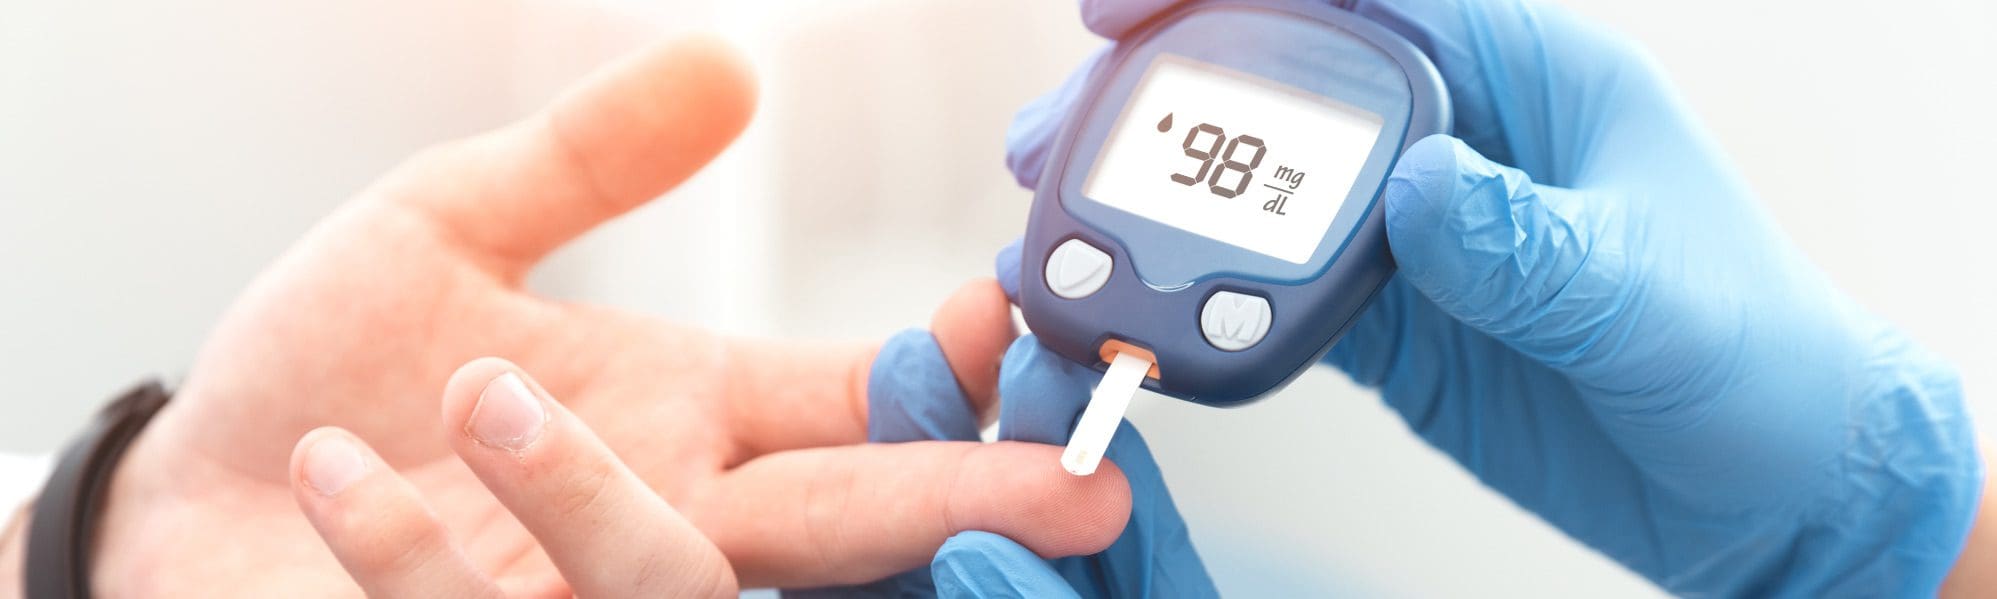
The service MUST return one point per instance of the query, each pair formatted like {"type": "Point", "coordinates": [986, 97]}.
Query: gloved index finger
{"type": "Point", "coordinates": [935, 386]}
{"type": "Point", "coordinates": [912, 395]}
{"type": "Point", "coordinates": [916, 392]}
{"type": "Point", "coordinates": [1041, 394]}
{"type": "Point", "coordinates": [794, 394]}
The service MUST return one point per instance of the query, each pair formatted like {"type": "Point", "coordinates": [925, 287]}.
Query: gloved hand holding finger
{"type": "Point", "coordinates": [1044, 396]}
{"type": "Point", "coordinates": [923, 387]}
{"type": "Point", "coordinates": [933, 385]}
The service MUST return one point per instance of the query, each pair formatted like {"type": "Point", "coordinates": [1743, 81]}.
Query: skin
{"type": "Point", "coordinates": [758, 443]}
{"type": "Point", "coordinates": [394, 545]}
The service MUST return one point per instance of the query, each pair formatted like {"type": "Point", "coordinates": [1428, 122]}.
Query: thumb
{"type": "Point", "coordinates": [1542, 269]}
{"type": "Point", "coordinates": [632, 131]}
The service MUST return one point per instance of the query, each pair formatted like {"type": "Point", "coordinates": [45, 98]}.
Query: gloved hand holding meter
{"type": "Point", "coordinates": [1591, 312]}
{"type": "Point", "coordinates": [1209, 223]}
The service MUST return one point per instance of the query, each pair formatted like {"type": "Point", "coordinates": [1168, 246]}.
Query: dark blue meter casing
{"type": "Point", "coordinates": [1213, 200]}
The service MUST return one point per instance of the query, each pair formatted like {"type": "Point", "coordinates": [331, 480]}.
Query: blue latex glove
{"type": "Point", "coordinates": [1594, 316]}
{"type": "Point", "coordinates": [912, 396]}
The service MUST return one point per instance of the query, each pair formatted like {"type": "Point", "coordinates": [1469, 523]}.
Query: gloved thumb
{"type": "Point", "coordinates": [1541, 268]}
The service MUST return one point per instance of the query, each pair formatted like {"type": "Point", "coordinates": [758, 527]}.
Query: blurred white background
{"type": "Point", "coordinates": [154, 155]}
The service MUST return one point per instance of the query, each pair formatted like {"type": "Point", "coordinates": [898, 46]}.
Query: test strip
{"type": "Point", "coordinates": [1106, 407]}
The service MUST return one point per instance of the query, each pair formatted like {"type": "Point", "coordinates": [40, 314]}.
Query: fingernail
{"type": "Point", "coordinates": [332, 464]}
{"type": "Point", "coordinates": [508, 415]}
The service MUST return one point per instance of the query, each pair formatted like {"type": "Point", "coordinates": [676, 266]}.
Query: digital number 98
{"type": "Point", "coordinates": [1228, 163]}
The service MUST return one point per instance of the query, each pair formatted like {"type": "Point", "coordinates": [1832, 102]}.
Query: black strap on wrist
{"type": "Point", "coordinates": [65, 516]}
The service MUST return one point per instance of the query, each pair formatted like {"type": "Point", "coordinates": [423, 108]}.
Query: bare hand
{"type": "Point", "coordinates": [361, 322]}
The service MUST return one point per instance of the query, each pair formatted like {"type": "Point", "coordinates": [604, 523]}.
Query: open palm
{"type": "Point", "coordinates": [360, 324]}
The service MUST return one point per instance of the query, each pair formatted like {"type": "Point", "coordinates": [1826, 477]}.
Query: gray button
{"type": "Point", "coordinates": [1076, 269]}
{"type": "Point", "coordinates": [1234, 322]}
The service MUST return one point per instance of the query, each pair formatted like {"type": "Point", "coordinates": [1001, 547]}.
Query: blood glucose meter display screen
{"type": "Point", "coordinates": [1233, 157]}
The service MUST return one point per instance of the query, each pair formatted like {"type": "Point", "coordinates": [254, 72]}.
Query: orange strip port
{"type": "Point", "coordinates": [1113, 347]}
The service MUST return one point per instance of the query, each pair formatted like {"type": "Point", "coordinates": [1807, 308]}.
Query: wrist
{"type": "Point", "coordinates": [130, 525]}
{"type": "Point", "coordinates": [64, 524]}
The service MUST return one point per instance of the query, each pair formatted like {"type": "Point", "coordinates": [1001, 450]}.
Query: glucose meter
{"type": "Point", "coordinates": [1208, 222]}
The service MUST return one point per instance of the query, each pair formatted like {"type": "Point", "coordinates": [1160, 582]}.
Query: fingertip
{"type": "Point", "coordinates": [644, 125]}
{"type": "Point", "coordinates": [729, 76]}
{"type": "Point", "coordinates": [1022, 492]}
{"type": "Point", "coordinates": [325, 462]}
{"type": "Point", "coordinates": [706, 65]}
{"type": "Point", "coordinates": [374, 522]}
{"type": "Point", "coordinates": [468, 384]}
{"type": "Point", "coordinates": [1101, 528]}
{"type": "Point", "coordinates": [1423, 181]}
{"type": "Point", "coordinates": [1450, 214]}
{"type": "Point", "coordinates": [296, 466]}
{"type": "Point", "coordinates": [1528, 264]}
{"type": "Point", "coordinates": [572, 492]}
{"type": "Point", "coordinates": [974, 327]}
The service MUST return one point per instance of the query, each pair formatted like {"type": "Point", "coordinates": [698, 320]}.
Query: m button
{"type": "Point", "coordinates": [1076, 270]}
{"type": "Point", "coordinates": [1233, 321]}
